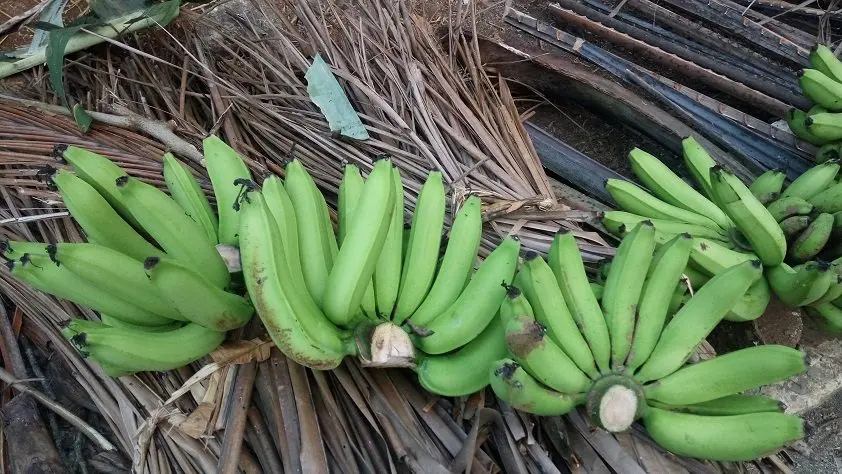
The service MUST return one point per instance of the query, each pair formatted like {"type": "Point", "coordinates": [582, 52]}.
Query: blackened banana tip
{"type": "Point", "coordinates": [757, 264]}
{"type": "Point", "coordinates": [530, 255]}
{"type": "Point", "coordinates": [150, 262]}
{"type": "Point", "coordinates": [121, 181]}
{"type": "Point", "coordinates": [515, 238]}
{"type": "Point", "coordinates": [512, 292]}
{"type": "Point", "coordinates": [10, 264]}
{"type": "Point", "coordinates": [822, 265]}
{"type": "Point", "coordinates": [686, 235]}
{"type": "Point", "coordinates": [800, 73]}
{"type": "Point", "coordinates": [808, 121]}
{"type": "Point", "coordinates": [648, 223]}
{"type": "Point", "coordinates": [58, 151]}
{"type": "Point", "coordinates": [507, 370]}
{"type": "Point", "coordinates": [563, 231]}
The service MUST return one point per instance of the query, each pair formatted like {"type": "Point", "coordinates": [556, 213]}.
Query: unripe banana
{"type": "Point", "coordinates": [766, 198]}
{"type": "Point", "coordinates": [387, 274]}
{"type": "Point", "coordinates": [180, 237]}
{"type": "Point", "coordinates": [597, 290]}
{"type": "Point", "coordinates": [750, 216]}
{"type": "Point", "coordinates": [712, 258]}
{"type": "Point", "coordinates": [730, 405]}
{"type": "Point", "coordinates": [697, 318]}
{"type": "Point", "coordinates": [580, 336]}
{"type": "Point", "coordinates": [138, 351]}
{"type": "Point", "coordinates": [827, 278]}
{"type": "Point", "coordinates": [822, 59]}
{"type": "Point", "coordinates": [620, 311]}
{"type": "Point", "coordinates": [834, 291]}
{"type": "Point", "coordinates": [225, 168]}
{"type": "Point", "coordinates": [116, 322]}
{"type": "Point", "coordinates": [99, 220]}
{"type": "Point", "coordinates": [419, 265]}
{"type": "Point", "coordinates": [614, 220]}
{"type": "Point", "coordinates": [515, 304]}
{"type": "Point", "coordinates": [829, 200]}
{"type": "Point", "coordinates": [810, 242]}
{"type": "Point", "coordinates": [669, 187]}
{"type": "Point", "coordinates": [829, 151]}
{"type": "Point", "coordinates": [664, 277]}
{"type": "Point", "coordinates": [793, 225]}
{"type": "Point", "coordinates": [465, 371]}
{"type": "Point", "coordinates": [699, 163]}
{"type": "Point", "coordinates": [816, 109]}
{"type": "Point", "coordinates": [42, 274]}
{"type": "Point", "coordinates": [796, 120]}
{"type": "Point", "coordinates": [772, 181]}
{"type": "Point", "coordinates": [828, 316]}
{"type": "Point", "coordinates": [350, 189]}
{"type": "Point", "coordinates": [632, 198]}
{"type": "Point", "coordinates": [517, 388]}
{"type": "Point", "coordinates": [532, 348]}
{"type": "Point", "coordinates": [722, 438]}
{"type": "Point", "coordinates": [196, 298]}
{"type": "Point", "coordinates": [783, 208]}
{"type": "Point", "coordinates": [315, 253]}
{"type": "Point", "coordinates": [466, 318]}
{"type": "Point", "coordinates": [753, 303]}
{"type": "Point", "coordinates": [821, 89]}
{"type": "Point", "coordinates": [116, 273]}
{"type": "Point", "coordinates": [727, 374]}
{"type": "Point", "coordinates": [457, 264]}
{"type": "Point", "coordinates": [280, 206]}
{"type": "Point", "coordinates": [826, 126]}
{"type": "Point", "coordinates": [185, 191]}
{"type": "Point", "coordinates": [812, 181]}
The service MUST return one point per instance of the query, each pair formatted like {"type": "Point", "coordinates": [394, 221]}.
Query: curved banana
{"type": "Point", "coordinates": [699, 163]}
{"type": "Point", "coordinates": [614, 220]}
{"type": "Point", "coordinates": [753, 303]}
{"type": "Point", "coordinates": [813, 239]}
{"type": "Point", "coordinates": [783, 208]}
{"type": "Point", "coordinates": [828, 316]}
{"type": "Point", "coordinates": [632, 198]}
{"type": "Point", "coordinates": [829, 151]}
{"type": "Point", "coordinates": [662, 280]}
{"type": "Point", "coordinates": [727, 374]}
{"type": "Point", "coordinates": [185, 191]}
{"type": "Point", "coordinates": [712, 258]}
{"type": "Point", "coordinates": [387, 273]}
{"type": "Point", "coordinates": [99, 220]}
{"type": "Point", "coordinates": [826, 279]}
{"type": "Point", "coordinates": [465, 371]}
{"type": "Point", "coordinates": [697, 318]}
{"type": "Point", "coordinates": [829, 200]}
{"type": "Point", "coordinates": [812, 181]}
{"type": "Point", "coordinates": [457, 264]}
{"type": "Point", "coordinates": [834, 291]}
{"type": "Point", "coordinates": [226, 170]}
{"type": "Point", "coordinates": [462, 321]}
{"type": "Point", "coordinates": [543, 292]}
{"type": "Point", "coordinates": [419, 264]}
{"type": "Point", "coordinates": [196, 298]}
{"type": "Point", "coordinates": [825, 126]}
{"type": "Point", "coordinates": [750, 216]}
{"type": "Point", "coordinates": [821, 89]}
{"type": "Point", "coordinates": [796, 119]}
{"type": "Point", "coordinates": [116, 322]}
{"type": "Point", "coordinates": [625, 283]}
{"type": "Point", "coordinates": [517, 388]}
{"type": "Point", "coordinates": [722, 438]}
{"type": "Point", "coordinates": [515, 304]}
{"type": "Point", "coordinates": [792, 226]}
{"type": "Point", "coordinates": [530, 346]}
{"type": "Point", "coordinates": [772, 181]}
{"type": "Point", "coordinates": [179, 236]}
{"type": "Point", "coordinates": [768, 197]}
{"type": "Point", "coordinates": [730, 405]}
{"type": "Point", "coordinates": [823, 60]}
{"type": "Point", "coordinates": [280, 206]}
{"type": "Point", "coordinates": [354, 265]}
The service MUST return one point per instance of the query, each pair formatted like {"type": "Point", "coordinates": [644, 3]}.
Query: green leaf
{"type": "Point", "coordinates": [56, 43]}
{"type": "Point", "coordinates": [50, 19]}
{"type": "Point", "coordinates": [109, 9]}
{"type": "Point", "coordinates": [327, 94]}
{"type": "Point", "coordinates": [82, 119]}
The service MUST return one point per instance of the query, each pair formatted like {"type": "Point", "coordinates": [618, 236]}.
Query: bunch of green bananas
{"type": "Point", "coordinates": [724, 220]}
{"type": "Point", "coordinates": [623, 356]}
{"type": "Point", "coordinates": [822, 124]}
{"type": "Point", "coordinates": [150, 267]}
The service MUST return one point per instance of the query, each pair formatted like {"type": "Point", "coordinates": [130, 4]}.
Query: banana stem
{"type": "Point", "coordinates": [384, 345]}
{"type": "Point", "coordinates": [614, 402]}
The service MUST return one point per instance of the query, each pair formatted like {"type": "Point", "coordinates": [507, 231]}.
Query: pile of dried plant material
{"type": "Point", "coordinates": [238, 70]}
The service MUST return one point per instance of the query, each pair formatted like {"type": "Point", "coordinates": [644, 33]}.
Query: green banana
{"type": "Point", "coordinates": [790, 285]}
{"type": "Point", "coordinates": [626, 287]}
{"type": "Point", "coordinates": [580, 332]}
{"type": "Point", "coordinates": [823, 60]}
{"type": "Point", "coordinates": [813, 239]}
{"type": "Point", "coordinates": [315, 254]}
{"type": "Point", "coordinates": [99, 220]}
{"type": "Point", "coordinates": [457, 264]}
{"type": "Point", "coordinates": [387, 273]}
{"type": "Point", "coordinates": [465, 371]}
{"type": "Point", "coordinates": [793, 225]}
{"type": "Point", "coordinates": [42, 274]}
{"type": "Point", "coordinates": [669, 187]}
{"type": "Point", "coordinates": [729, 405]}
{"type": "Point", "coordinates": [116, 322]}
{"type": "Point", "coordinates": [137, 351]}
{"type": "Point", "coordinates": [828, 316]}
{"type": "Point", "coordinates": [283, 314]}
{"type": "Point", "coordinates": [825, 126]}
{"type": "Point", "coordinates": [712, 258]}
{"type": "Point", "coordinates": [185, 191]}
{"type": "Point", "coordinates": [226, 170]}
{"type": "Point", "coordinates": [419, 266]}
{"type": "Point", "coordinates": [796, 120]}
{"type": "Point", "coordinates": [695, 320]}
{"type": "Point", "coordinates": [661, 282]}
{"type": "Point", "coordinates": [826, 279]}
{"type": "Point", "coordinates": [768, 197]}
{"type": "Point", "coordinates": [727, 374]}
{"type": "Point", "coordinates": [179, 236]}
{"type": "Point", "coordinates": [597, 289]}
{"type": "Point", "coordinates": [812, 181]}
{"type": "Point", "coordinates": [829, 151]}
{"type": "Point", "coordinates": [195, 298]}
{"type": "Point", "coordinates": [752, 304]}
{"type": "Point", "coordinates": [530, 346]}
{"type": "Point", "coordinates": [816, 109]}
{"type": "Point", "coordinates": [632, 198]}
{"type": "Point", "coordinates": [515, 304]}
{"type": "Point", "coordinates": [361, 236]}
{"type": "Point", "coordinates": [829, 200]}
{"type": "Point", "coordinates": [783, 208]}
{"type": "Point", "coordinates": [699, 163]}
{"type": "Point", "coordinates": [772, 181]}
{"type": "Point", "coordinates": [834, 292]}
{"type": "Point", "coordinates": [821, 89]}
{"type": "Point", "coordinates": [750, 216]}
{"type": "Point", "coordinates": [516, 387]}
{"type": "Point", "coordinates": [463, 320]}
{"type": "Point", "coordinates": [280, 206]}
{"type": "Point", "coordinates": [722, 438]}
{"type": "Point", "coordinates": [614, 220]}
{"type": "Point", "coordinates": [696, 278]}
{"type": "Point", "coordinates": [115, 273]}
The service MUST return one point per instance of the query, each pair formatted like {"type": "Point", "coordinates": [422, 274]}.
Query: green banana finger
{"type": "Point", "coordinates": [729, 405]}
{"type": "Point", "coordinates": [185, 191]}
{"type": "Point", "coordinates": [829, 200]}
{"type": "Point", "coordinates": [225, 167]}
{"type": "Point", "coordinates": [795, 118]}
{"type": "Point", "coordinates": [387, 273]}
{"type": "Point", "coordinates": [699, 163]}
{"type": "Point", "coordinates": [813, 239]}
{"type": "Point", "coordinates": [823, 60]}
{"type": "Point", "coordinates": [517, 388]}
{"type": "Point", "coordinates": [515, 304]}
{"type": "Point", "coordinates": [828, 316]}
{"type": "Point", "coordinates": [812, 181]}
{"type": "Point", "coordinates": [632, 198]}
{"type": "Point", "coordinates": [829, 151]}
{"type": "Point", "coordinates": [783, 208]}
{"type": "Point", "coordinates": [772, 181]}
{"type": "Point", "coordinates": [614, 220]}
{"type": "Point", "coordinates": [821, 89]}
{"type": "Point", "coordinates": [793, 225]}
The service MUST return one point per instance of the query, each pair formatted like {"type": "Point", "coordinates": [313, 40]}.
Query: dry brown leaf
{"type": "Point", "coordinates": [242, 352]}
{"type": "Point", "coordinates": [195, 425]}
